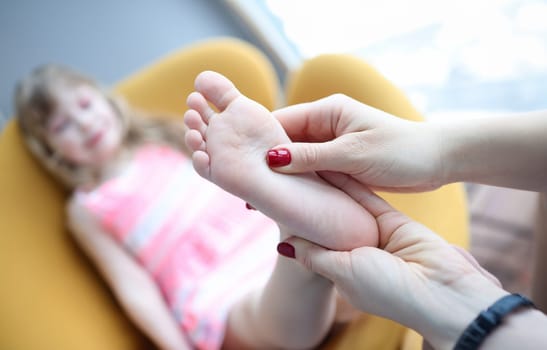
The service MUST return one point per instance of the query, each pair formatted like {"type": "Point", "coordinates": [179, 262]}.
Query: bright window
{"type": "Point", "coordinates": [449, 56]}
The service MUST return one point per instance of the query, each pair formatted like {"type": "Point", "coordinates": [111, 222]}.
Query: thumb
{"type": "Point", "coordinates": [304, 157]}
{"type": "Point", "coordinates": [331, 264]}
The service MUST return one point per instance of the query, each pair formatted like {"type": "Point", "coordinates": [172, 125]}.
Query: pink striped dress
{"type": "Point", "coordinates": [201, 245]}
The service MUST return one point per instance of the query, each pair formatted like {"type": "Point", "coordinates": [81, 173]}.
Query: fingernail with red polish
{"type": "Point", "coordinates": [250, 207]}
{"type": "Point", "coordinates": [286, 249]}
{"type": "Point", "coordinates": [278, 157]}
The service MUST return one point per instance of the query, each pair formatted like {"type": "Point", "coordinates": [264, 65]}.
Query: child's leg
{"type": "Point", "coordinates": [229, 150]}
{"type": "Point", "coordinates": [295, 310]}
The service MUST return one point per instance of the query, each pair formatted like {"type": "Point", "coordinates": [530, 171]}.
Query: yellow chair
{"type": "Point", "coordinates": [52, 298]}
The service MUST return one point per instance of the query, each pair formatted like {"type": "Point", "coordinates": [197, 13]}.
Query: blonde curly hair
{"type": "Point", "coordinates": [35, 101]}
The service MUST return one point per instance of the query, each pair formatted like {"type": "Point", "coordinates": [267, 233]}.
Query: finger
{"type": "Point", "coordinates": [405, 189]}
{"type": "Point", "coordinates": [304, 157]}
{"type": "Point", "coordinates": [389, 219]}
{"type": "Point", "coordinates": [373, 203]}
{"type": "Point", "coordinates": [331, 264]}
{"type": "Point", "coordinates": [305, 122]}
{"type": "Point", "coordinates": [315, 121]}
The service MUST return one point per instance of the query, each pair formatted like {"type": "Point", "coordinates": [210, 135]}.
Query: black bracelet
{"type": "Point", "coordinates": [488, 320]}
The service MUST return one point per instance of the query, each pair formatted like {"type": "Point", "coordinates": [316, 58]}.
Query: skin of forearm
{"type": "Point", "coordinates": [452, 309]}
{"type": "Point", "coordinates": [507, 151]}
{"type": "Point", "coordinates": [132, 286]}
{"type": "Point", "coordinates": [524, 329]}
{"type": "Point", "coordinates": [146, 308]}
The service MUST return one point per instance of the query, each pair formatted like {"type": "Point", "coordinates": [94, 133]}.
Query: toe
{"type": "Point", "coordinates": [197, 102]}
{"type": "Point", "coordinates": [194, 121]}
{"type": "Point", "coordinates": [200, 161]}
{"type": "Point", "coordinates": [194, 140]}
{"type": "Point", "coordinates": [217, 89]}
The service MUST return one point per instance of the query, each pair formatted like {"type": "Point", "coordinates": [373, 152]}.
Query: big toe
{"type": "Point", "coordinates": [216, 88]}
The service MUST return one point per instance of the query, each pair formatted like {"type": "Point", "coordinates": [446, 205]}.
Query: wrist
{"type": "Point", "coordinates": [457, 309]}
{"type": "Point", "coordinates": [435, 151]}
{"type": "Point", "coordinates": [490, 320]}
{"type": "Point", "coordinates": [452, 152]}
{"type": "Point", "coordinates": [466, 147]}
{"type": "Point", "coordinates": [521, 329]}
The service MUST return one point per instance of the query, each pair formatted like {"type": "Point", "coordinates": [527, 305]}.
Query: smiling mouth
{"type": "Point", "coordinates": [94, 140]}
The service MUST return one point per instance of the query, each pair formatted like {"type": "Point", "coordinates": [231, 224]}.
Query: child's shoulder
{"type": "Point", "coordinates": [77, 213]}
{"type": "Point", "coordinates": [74, 203]}
{"type": "Point", "coordinates": [75, 206]}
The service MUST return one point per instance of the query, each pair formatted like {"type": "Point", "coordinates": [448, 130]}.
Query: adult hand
{"type": "Point", "coordinates": [338, 133]}
{"type": "Point", "coordinates": [415, 277]}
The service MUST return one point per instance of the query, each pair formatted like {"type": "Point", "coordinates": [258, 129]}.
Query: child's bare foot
{"type": "Point", "coordinates": [229, 149]}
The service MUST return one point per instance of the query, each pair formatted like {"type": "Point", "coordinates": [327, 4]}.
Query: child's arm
{"type": "Point", "coordinates": [131, 284]}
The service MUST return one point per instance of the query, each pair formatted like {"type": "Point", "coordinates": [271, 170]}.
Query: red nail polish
{"type": "Point", "coordinates": [278, 157]}
{"type": "Point", "coordinates": [286, 249]}
{"type": "Point", "coordinates": [250, 207]}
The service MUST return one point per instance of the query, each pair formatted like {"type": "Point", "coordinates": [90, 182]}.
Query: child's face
{"type": "Point", "coordinates": [84, 128]}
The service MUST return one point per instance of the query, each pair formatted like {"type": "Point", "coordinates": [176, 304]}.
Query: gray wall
{"type": "Point", "coordinates": [106, 39]}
